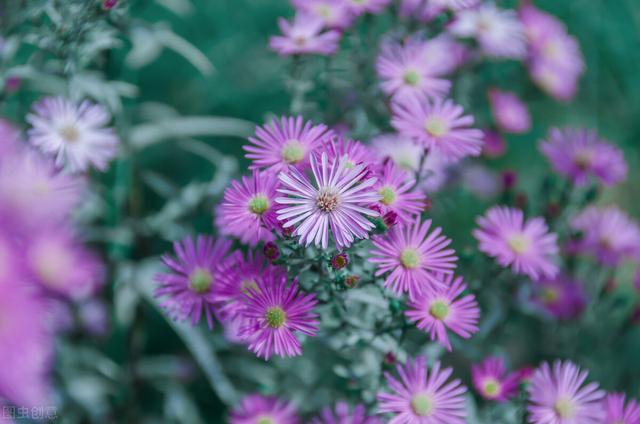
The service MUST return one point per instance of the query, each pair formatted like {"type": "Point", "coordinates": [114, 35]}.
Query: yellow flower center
{"type": "Point", "coordinates": [327, 200]}
{"type": "Point", "coordinates": [411, 78]}
{"type": "Point", "coordinates": [565, 408]}
{"type": "Point", "coordinates": [439, 310]}
{"type": "Point", "coordinates": [422, 404]}
{"type": "Point", "coordinates": [259, 204]}
{"type": "Point", "coordinates": [245, 285]}
{"type": "Point", "coordinates": [265, 420]}
{"type": "Point", "coordinates": [388, 195]}
{"type": "Point", "coordinates": [293, 151]}
{"type": "Point", "coordinates": [323, 11]}
{"type": "Point", "coordinates": [69, 133]}
{"type": "Point", "coordinates": [583, 160]}
{"type": "Point", "coordinates": [436, 126]}
{"type": "Point", "coordinates": [491, 387]}
{"type": "Point", "coordinates": [549, 295]}
{"type": "Point", "coordinates": [410, 258]}
{"type": "Point", "coordinates": [275, 317]}
{"type": "Point", "coordinates": [519, 243]}
{"type": "Point", "coordinates": [200, 280]}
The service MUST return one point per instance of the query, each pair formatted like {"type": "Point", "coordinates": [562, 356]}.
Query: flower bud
{"type": "Point", "coordinates": [390, 219]}
{"type": "Point", "coordinates": [109, 4]}
{"type": "Point", "coordinates": [339, 261]}
{"type": "Point", "coordinates": [509, 179]}
{"type": "Point", "coordinates": [271, 251]}
{"type": "Point", "coordinates": [351, 281]}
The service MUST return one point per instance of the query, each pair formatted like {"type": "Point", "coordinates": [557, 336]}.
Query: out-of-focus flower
{"type": "Point", "coordinates": [9, 138]}
{"type": "Point", "coordinates": [189, 290]}
{"type": "Point", "coordinates": [509, 179]}
{"type": "Point", "coordinates": [275, 312]}
{"type": "Point", "coordinates": [440, 126]}
{"type": "Point", "coordinates": [510, 113]}
{"type": "Point", "coordinates": [438, 308]}
{"type": "Point", "coordinates": [75, 134]}
{"type": "Point", "coordinates": [286, 142]}
{"type": "Point", "coordinates": [424, 395]}
{"type": "Point", "coordinates": [443, 54]}
{"type": "Point", "coordinates": [305, 35]}
{"type": "Point", "coordinates": [343, 414]}
{"type": "Point", "coordinates": [494, 144]}
{"type": "Point", "coordinates": [248, 210]}
{"type": "Point", "coordinates": [405, 72]}
{"type": "Point", "coordinates": [527, 246]}
{"type": "Point", "coordinates": [412, 256]}
{"type": "Point", "coordinates": [109, 4]}
{"type": "Point", "coordinates": [481, 181]}
{"type": "Point", "coordinates": [618, 413]}
{"type": "Point", "coordinates": [561, 297]}
{"type": "Point", "coordinates": [94, 317]}
{"type": "Point", "coordinates": [608, 234]}
{"type": "Point", "coordinates": [580, 153]}
{"type": "Point", "coordinates": [367, 6]}
{"type": "Point", "coordinates": [337, 199]}
{"type": "Point", "coordinates": [456, 5]}
{"type": "Point", "coordinates": [356, 153]}
{"type": "Point", "coordinates": [334, 13]}
{"type": "Point", "coordinates": [557, 395]}
{"type": "Point", "coordinates": [498, 32]}
{"type": "Point", "coordinates": [422, 10]}
{"type": "Point", "coordinates": [258, 409]}
{"type": "Point", "coordinates": [397, 193]}
{"type": "Point", "coordinates": [492, 382]}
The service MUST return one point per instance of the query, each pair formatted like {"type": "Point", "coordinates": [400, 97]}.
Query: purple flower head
{"type": "Point", "coordinates": [579, 154]}
{"type": "Point", "coordinates": [618, 413]}
{"type": "Point", "coordinates": [498, 32]}
{"type": "Point", "coordinates": [561, 297]}
{"type": "Point", "coordinates": [367, 6]}
{"type": "Point", "coordinates": [439, 126]}
{"type": "Point", "coordinates": [443, 54]}
{"type": "Point", "coordinates": [440, 307]}
{"type": "Point", "coordinates": [492, 382]}
{"type": "Point", "coordinates": [258, 409]}
{"type": "Point", "coordinates": [396, 188]}
{"type": "Point", "coordinates": [509, 111]}
{"type": "Point", "coordinates": [340, 260]}
{"type": "Point", "coordinates": [189, 290]}
{"type": "Point", "coordinates": [337, 199]}
{"type": "Point", "coordinates": [248, 210]}
{"type": "Point", "coordinates": [494, 144]}
{"type": "Point", "coordinates": [527, 246]}
{"type": "Point", "coordinates": [608, 234]}
{"type": "Point", "coordinates": [305, 35]}
{"type": "Point", "coordinates": [422, 10]}
{"type": "Point", "coordinates": [343, 414]}
{"type": "Point", "coordinates": [334, 13]}
{"type": "Point", "coordinates": [557, 395]}
{"type": "Point", "coordinates": [405, 73]}
{"type": "Point", "coordinates": [423, 395]}
{"type": "Point", "coordinates": [356, 153]}
{"type": "Point", "coordinates": [285, 142]}
{"type": "Point", "coordinates": [275, 312]}
{"type": "Point", "coordinates": [76, 134]}
{"type": "Point", "coordinates": [412, 256]}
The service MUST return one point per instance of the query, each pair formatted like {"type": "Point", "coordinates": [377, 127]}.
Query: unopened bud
{"type": "Point", "coordinates": [271, 251]}
{"type": "Point", "coordinates": [351, 281]}
{"type": "Point", "coordinates": [339, 261]}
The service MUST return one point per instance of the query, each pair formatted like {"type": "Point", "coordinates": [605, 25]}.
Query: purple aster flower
{"type": "Point", "coordinates": [412, 256]}
{"type": "Point", "coordinates": [339, 261]}
{"type": "Point", "coordinates": [579, 154]}
{"type": "Point", "coordinates": [337, 199]}
{"type": "Point", "coordinates": [618, 413]}
{"type": "Point", "coordinates": [289, 141]}
{"type": "Point", "coordinates": [422, 10]}
{"type": "Point", "coordinates": [74, 133]}
{"type": "Point", "coordinates": [608, 234]}
{"type": "Point", "coordinates": [440, 126]}
{"type": "Point", "coordinates": [258, 409]}
{"type": "Point", "coordinates": [334, 13]}
{"type": "Point", "coordinates": [405, 72]}
{"type": "Point", "coordinates": [494, 144]}
{"type": "Point", "coordinates": [367, 6]}
{"type": "Point", "coordinates": [305, 35]}
{"type": "Point", "coordinates": [443, 54]}
{"type": "Point", "coordinates": [510, 113]}
{"type": "Point", "coordinates": [356, 153]}
{"type": "Point", "coordinates": [423, 396]}
{"type": "Point", "coordinates": [557, 396]}
{"type": "Point", "coordinates": [248, 210]}
{"type": "Point", "coordinates": [438, 308]}
{"type": "Point", "coordinates": [491, 380]}
{"type": "Point", "coordinates": [527, 246]}
{"type": "Point", "coordinates": [538, 24]}
{"type": "Point", "coordinates": [61, 265]}
{"type": "Point", "coordinates": [561, 297]}
{"type": "Point", "coordinates": [343, 414]}
{"type": "Point", "coordinates": [396, 189]}
{"type": "Point", "coordinates": [275, 312]}
{"type": "Point", "coordinates": [498, 32]}
{"type": "Point", "coordinates": [190, 288]}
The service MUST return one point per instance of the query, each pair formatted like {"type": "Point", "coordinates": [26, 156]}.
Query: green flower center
{"type": "Point", "coordinates": [388, 195]}
{"type": "Point", "coordinates": [519, 243]}
{"type": "Point", "coordinates": [439, 310]}
{"type": "Point", "coordinates": [259, 204]}
{"type": "Point", "coordinates": [293, 151]}
{"type": "Point", "coordinates": [327, 200]}
{"type": "Point", "coordinates": [411, 78]}
{"type": "Point", "coordinates": [70, 133]}
{"type": "Point", "coordinates": [410, 258]}
{"type": "Point", "coordinates": [492, 387]}
{"type": "Point", "coordinates": [405, 162]}
{"type": "Point", "coordinates": [323, 11]}
{"type": "Point", "coordinates": [275, 316]}
{"type": "Point", "coordinates": [422, 404]}
{"type": "Point", "coordinates": [200, 280]}
{"type": "Point", "coordinates": [265, 420]}
{"type": "Point", "coordinates": [246, 285]}
{"type": "Point", "coordinates": [436, 126]}
{"type": "Point", "coordinates": [565, 408]}
{"type": "Point", "coordinates": [549, 295]}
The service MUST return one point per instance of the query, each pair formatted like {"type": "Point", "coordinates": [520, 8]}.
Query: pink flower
{"type": "Point", "coordinates": [557, 396]}
{"type": "Point", "coordinates": [289, 141]}
{"type": "Point", "coordinates": [579, 154]}
{"type": "Point", "coordinates": [438, 308]}
{"type": "Point", "coordinates": [356, 153]}
{"type": "Point", "coordinates": [491, 380]}
{"type": "Point", "coordinates": [561, 297]}
{"type": "Point", "coordinates": [527, 246]}
{"type": "Point", "coordinates": [305, 35]}
{"type": "Point", "coordinates": [343, 414]}
{"type": "Point", "coordinates": [248, 210]}
{"type": "Point", "coordinates": [412, 256]}
{"type": "Point", "coordinates": [423, 396]}
{"type": "Point", "coordinates": [334, 13]}
{"type": "Point", "coordinates": [397, 193]}
{"type": "Point", "coordinates": [618, 413]}
{"type": "Point", "coordinates": [440, 126]}
{"type": "Point", "coordinates": [337, 199]}
{"type": "Point", "coordinates": [510, 113]}
{"type": "Point", "coordinates": [494, 144]}
{"type": "Point", "coordinates": [264, 409]}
